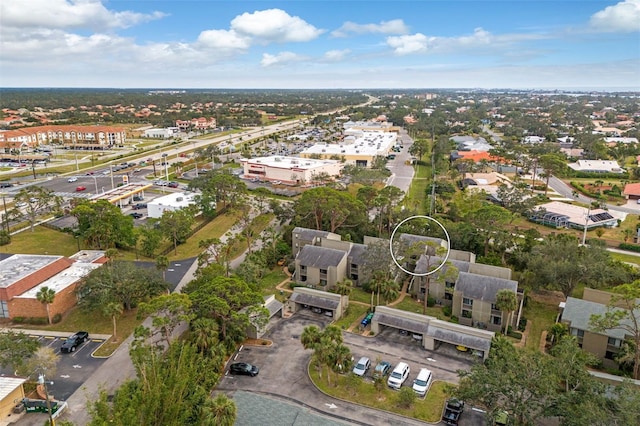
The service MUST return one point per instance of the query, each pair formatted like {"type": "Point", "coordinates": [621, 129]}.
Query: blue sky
{"type": "Point", "coordinates": [320, 44]}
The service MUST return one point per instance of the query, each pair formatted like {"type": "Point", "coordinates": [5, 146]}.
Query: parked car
{"type": "Point", "coordinates": [173, 184]}
{"type": "Point", "coordinates": [5, 185]}
{"type": "Point", "coordinates": [138, 198]}
{"type": "Point", "coordinates": [422, 382]}
{"type": "Point", "coordinates": [72, 179]}
{"type": "Point", "coordinates": [276, 182]}
{"type": "Point", "coordinates": [74, 341]}
{"type": "Point", "coordinates": [362, 366]}
{"type": "Point", "coordinates": [21, 204]}
{"type": "Point", "coordinates": [136, 215]}
{"type": "Point", "coordinates": [452, 411]}
{"type": "Point", "coordinates": [244, 368]}
{"type": "Point", "coordinates": [399, 375]}
{"type": "Point", "coordinates": [80, 188]}
{"type": "Point", "coordinates": [382, 369]}
{"type": "Point", "coordinates": [139, 206]}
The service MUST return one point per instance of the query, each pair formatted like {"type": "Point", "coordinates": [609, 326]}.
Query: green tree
{"type": "Point", "coordinates": [221, 411]}
{"type": "Point", "coordinates": [406, 397]}
{"type": "Point", "coordinates": [167, 311]}
{"type": "Point", "coordinates": [328, 209]}
{"type": "Point", "coordinates": [223, 298]}
{"type": "Point", "coordinates": [623, 313]}
{"type": "Point", "coordinates": [37, 200]}
{"type": "Point", "coordinates": [344, 287]}
{"type": "Point", "coordinates": [113, 310]}
{"type": "Point", "coordinates": [16, 348]}
{"type": "Point", "coordinates": [46, 296]}
{"type": "Point", "coordinates": [102, 225]}
{"type": "Point", "coordinates": [150, 238]}
{"type": "Point", "coordinates": [507, 302]}
{"type": "Point", "coordinates": [204, 334]}
{"type": "Point", "coordinates": [162, 263]}
{"type": "Point", "coordinates": [490, 219]}
{"type": "Point", "coordinates": [176, 226]}
{"type": "Point", "coordinates": [551, 164]}
{"type": "Point", "coordinates": [122, 282]}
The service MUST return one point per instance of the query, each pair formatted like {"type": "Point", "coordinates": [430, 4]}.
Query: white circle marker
{"type": "Point", "coordinates": [428, 272]}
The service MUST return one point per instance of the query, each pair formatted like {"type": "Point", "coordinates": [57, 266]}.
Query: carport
{"type": "Point", "coordinates": [433, 330]}
{"type": "Point", "coordinates": [332, 302]}
{"type": "Point", "coordinates": [274, 307]}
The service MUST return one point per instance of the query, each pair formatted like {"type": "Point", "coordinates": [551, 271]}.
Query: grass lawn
{"type": "Point", "coordinates": [214, 229]}
{"type": "Point", "coordinates": [95, 323]}
{"type": "Point", "coordinates": [41, 241]}
{"type": "Point", "coordinates": [363, 392]}
{"type": "Point", "coordinates": [359, 295]}
{"type": "Point", "coordinates": [351, 315]}
{"type": "Point", "coordinates": [258, 225]}
{"type": "Point", "coordinates": [623, 257]}
{"type": "Point", "coordinates": [416, 196]}
{"type": "Point", "coordinates": [271, 280]}
{"type": "Point", "coordinates": [542, 316]}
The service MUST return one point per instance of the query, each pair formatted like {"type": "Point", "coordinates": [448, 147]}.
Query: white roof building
{"type": "Point", "coordinates": [621, 140]}
{"type": "Point", "coordinates": [171, 202]}
{"type": "Point", "coordinates": [289, 170]}
{"type": "Point", "coordinates": [596, 166]}
{"type": "Point", "coordinates": [358, 150]}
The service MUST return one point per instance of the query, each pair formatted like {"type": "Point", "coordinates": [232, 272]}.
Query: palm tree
{"type": "Point", "coordinates": [506, 301]}
{"type": "Point", "coordinates": [390, 290]}
{"type": "Point", "coordinates": [221, 411]}
{"type": "Point", "coordinates": [162, 263]}
{"type": "Point", "coordinates": [46, 296]}
{"type": "Point", "coordinates": [113, 310]}
{"type": "Point", "coordinates": [204, 333]}
{"type": "Point", "coordinates": [344, 287]}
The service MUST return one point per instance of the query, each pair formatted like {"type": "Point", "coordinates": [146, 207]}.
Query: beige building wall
{"type": "Point", "coordinates": [490, 271]}
{"type": "Point", "coordinates": [7, 404]}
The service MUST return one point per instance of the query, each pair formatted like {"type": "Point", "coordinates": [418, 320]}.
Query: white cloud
{"type": "Point", "coordinates": [621, 17]}
{"type": "Point", "coordinates": [274, 25]}
{"type": "Point", "coordinates": [223, 40]}
{"type": "Point", "coordinates": [395, 26]}
{"type": "Point", "coordinates": [335, 55]}
{"type": "Point", "coordinates": [281, 58]}
{"type": "Point", "coordinates": [407, 44]}
{"type": "Point", "coordinates": [69, 14]}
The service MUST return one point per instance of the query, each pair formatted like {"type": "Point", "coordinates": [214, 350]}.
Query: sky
{"type": "Point", "coordinates": [329, 44]}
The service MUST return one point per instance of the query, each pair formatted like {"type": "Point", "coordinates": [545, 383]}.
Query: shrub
{"type": "Point", "coordinates": [18, 320]}
{"type": "Point", "coordinates": [522, 324]}
{"type": "Point", "coordinates": [630, 247]}
{"type": "Point", "coordinates": [56, 318]}
{"type": "Point", "coordinates": [446, 310]}
{"type": "Point", "coordinates": [454, 319]}
{"type": "Point", "coordinates": [5, 238]}
{"type": "Point", "coordinates": [431, 301]}
{"type": "Point", "coordinates": [406, 397]}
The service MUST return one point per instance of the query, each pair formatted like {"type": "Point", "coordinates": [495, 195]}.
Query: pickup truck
{"type": "Point", "coordinates": [452, 411]}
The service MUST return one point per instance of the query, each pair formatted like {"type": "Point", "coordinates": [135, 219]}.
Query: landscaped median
{"type": "Point", "coordinates": [354, 389]}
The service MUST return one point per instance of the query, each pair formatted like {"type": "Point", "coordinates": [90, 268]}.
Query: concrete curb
{"type": "Point", "coordinates": [45, 333]}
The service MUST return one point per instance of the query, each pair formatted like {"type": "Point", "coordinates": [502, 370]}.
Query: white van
{"type": "Point", "coordinates": [422, 382]}
{"type": "Point", "coordinates": [398, 375]}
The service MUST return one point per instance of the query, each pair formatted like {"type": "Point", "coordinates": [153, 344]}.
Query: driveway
{"type": "Point", "coordinates": [283, 371]}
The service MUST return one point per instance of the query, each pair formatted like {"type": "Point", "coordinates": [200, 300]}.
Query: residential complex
{"type": "Point", "coordinates": [76, 137]}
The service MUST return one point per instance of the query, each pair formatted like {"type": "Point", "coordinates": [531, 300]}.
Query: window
{"type": "Point", "coordinates": [495, 320]}
{"type": "Point", "coordinates": [576, 332]}
{"type": "Point", "coordinates": [4, 309]}
{"type": "Point", "coordinates": [609, 354]}
{"type": "Point", "coordinates": [467, 301]}
{"type": "Point", "coordinates": [449, 285]}
{"type": "Point", "coordinates": [612, 341]}
{"type": "Point", "coordinates": [323, 271]}
{"type": "Point", "coordinates": [448, 296]}
{"type": "Point", "coordinates": [466, 314]}
{"type": "Point", "coordinates": [323, 282]}
{"type": "Point", "coordinates": [494, 307]}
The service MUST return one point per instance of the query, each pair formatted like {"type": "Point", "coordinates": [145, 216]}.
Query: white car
{"type": "Point", "coordinates": [72, 179]}
{"type": "Point", "coordinates": [362, 366]}
{"type": "Point", "coordinates": [399, 375]}
{"type": "Point", "coordinates": [422, 382]}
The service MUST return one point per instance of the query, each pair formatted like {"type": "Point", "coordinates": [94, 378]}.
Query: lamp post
{"type": "Point", "coordinates": [5, 218]}
{"type": "Point", "coordinates": [586, 221]}
{"type": "Point", "coordinates": [43, 382]}
{"type": "Point", "coordinates": [195, 157]}
{"type": "Point", "coordinates": [111, 170]}
{"type": "Point", "coordinates": [95, 182]}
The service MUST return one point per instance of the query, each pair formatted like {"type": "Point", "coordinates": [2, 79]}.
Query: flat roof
{"type": "Point", "coordinates": [16, 267]}
{"type": "Point", "coordinates": [87, 256]}
{"type": "Point", "coordinates": [122, 192]}
{"type": "Point", "coordinates": [577, 215]}
{"type": "Point", "coordinates": [62, 280]}
{"type": "Point", "coordinates": [174, 199]}
{"type": "Point", "coordinates": [288, 162]}
{"type": "Point", "coordinates": [370, 144]}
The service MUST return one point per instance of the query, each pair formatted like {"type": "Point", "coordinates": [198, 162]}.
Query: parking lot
{"type": "Point", "coordinates": [283, 369]}
{"type": "Point", "coordinates": [73, 369]}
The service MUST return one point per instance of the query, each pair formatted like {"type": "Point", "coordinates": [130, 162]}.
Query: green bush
{"type": "Point", "coordinates": [522, 324]}
{"type": "Point", "coordinates": [56, 318]}
{"type": "Point", "coordinates": [630, 247]}
{"type": "Point", "coordinates": [18, 320]}
{"type": "Point", "coordinates": [446, 310]}
{"type": "Point", "coordinates": [431, 301]}
{"type": "Point", "coordinates": [454, 319]}
{"type": "Point", "coordinates": [5, 238]}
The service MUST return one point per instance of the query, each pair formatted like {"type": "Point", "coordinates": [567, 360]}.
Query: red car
{"type": "Point", "coordinates": [80, 188]}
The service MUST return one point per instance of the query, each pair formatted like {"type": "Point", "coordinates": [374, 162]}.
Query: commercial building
{"type": "Point", "coordinates": [359, 148]}
{"type": "Point", "coordinates": [596, 166]}
{"type": "Point", "coordinates": [23, 275]}
{"type": "Point", "coordinates": [165, 133]}
{"type": "Point", "coordinates": [290, 170]}
{"type": "Point", "coordinates": [170, 202]}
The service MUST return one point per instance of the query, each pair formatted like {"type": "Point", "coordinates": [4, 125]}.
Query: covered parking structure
{"type": "Point", "coordinates": [433, 330]}
{"type": "Point", "coordinates": [304, 297]}
{"type": "Point", "coordinates": [124, 192]}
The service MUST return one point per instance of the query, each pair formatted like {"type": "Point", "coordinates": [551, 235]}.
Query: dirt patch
{"type": "Point", "coordinates": [548, 297]}
{"type": "Point", "coordinates": [257, 342]}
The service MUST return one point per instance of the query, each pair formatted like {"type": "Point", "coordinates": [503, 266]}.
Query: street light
{"type": "Point", "coordinates": [95, 182]}
{"type": "Point", "coordinates": [111, 169]}
{"type": "Point", "coordinates": [43, 382]}
{"type": "Point", "coordinates": [586, 221]}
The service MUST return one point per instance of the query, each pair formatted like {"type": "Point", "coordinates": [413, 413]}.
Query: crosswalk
{"type": "Point", "coordinates": [74, 194]}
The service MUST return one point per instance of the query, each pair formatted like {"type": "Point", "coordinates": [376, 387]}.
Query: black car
{"type": "Point", "coordinates": [136, 215]}
{"type": "Point", "coordinates": [244, 368]}
{"type": "Point", "coordinates": [139, 206]}
{"type": "Point", "coordinates": [74, 341]}
{"type": "Point", "coordinates": [452, 411]}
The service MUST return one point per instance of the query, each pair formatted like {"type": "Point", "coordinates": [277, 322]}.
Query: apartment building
{"type": "Point", "coordinates": [71, 136]}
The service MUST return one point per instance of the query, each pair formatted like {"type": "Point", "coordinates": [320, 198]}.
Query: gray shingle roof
{"type": "Point", "coordinates": [308, 234]}
{"type": "Point", "coordinates": [357, 253]}
{"type": "Point", "coordinates": [320, 257]}
{"type": "Point", "coordinates": [273, 306]}
{"type": "Point", "coordinates": [313, 300]}
{"type": "Point", "coordinates": [578, 312]}
{"type": "Point", "coordinates": [459, 338]}
{"type": "Point", "coordinates": [401, 323]}
{"type": "Point", "coordinates": [480, 287]}
{"type": "Point", "coordinates": [435, 261]}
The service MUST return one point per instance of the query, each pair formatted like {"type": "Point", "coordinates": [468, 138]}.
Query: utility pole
{"type": "Point", "coordinates": [43, 382]}
{"type": "Point", "coordinates": [432, 204]}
